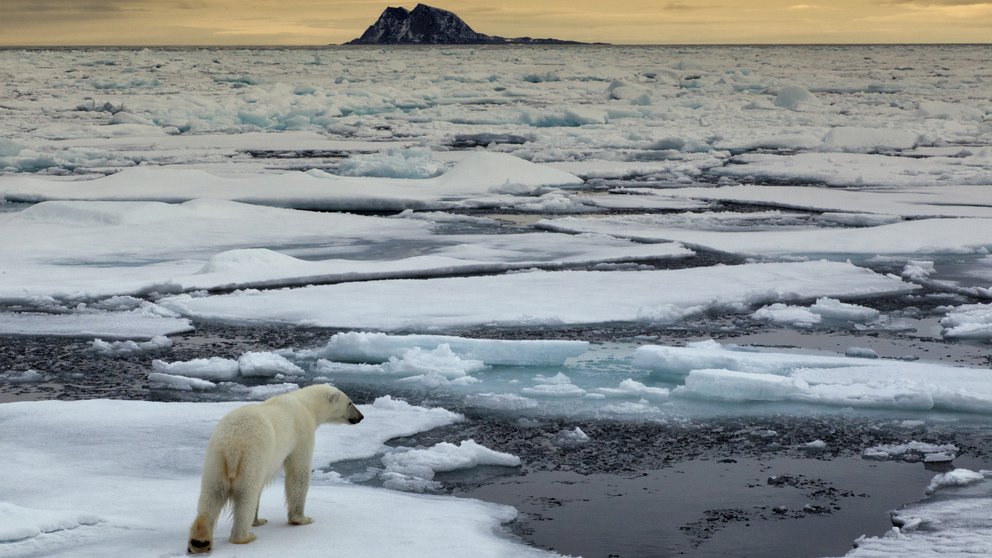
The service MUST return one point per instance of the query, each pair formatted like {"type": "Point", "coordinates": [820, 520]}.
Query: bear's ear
{"type": "Point", "coordinates": [334, 397]}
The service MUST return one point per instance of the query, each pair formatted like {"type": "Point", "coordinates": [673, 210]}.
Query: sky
{"type": "Point", "coordinates": [321, 22]}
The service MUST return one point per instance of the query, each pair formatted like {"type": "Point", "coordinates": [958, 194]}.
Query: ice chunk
{"type": "Point", "coordinates": [793, 97]}
{"type": "Point", "coordinates": [728, 385]}
{"type": "Point", "coordinates": [501, 401]}
{"type": "Point", "coordinates": [9, 148]}
{"type": "Point", "coordinates": [555, 389]}
{"type": "Point", "coordinates": [25, 377]}
{"type": "Point", "coordinates": [918, 270]}
{"type": "Point", "coordinates": [266, 365]}
{"type": "Point", "coordinates": [394, 163]}
{"type": "Point", "coordinates": [405, 464]}
{"type": "Point", "coordinates": [969, 321]}
{"type": "Point", "coordinates": [710, 354]}
{"type": "Point", "coordinates": [213, 368]}
{"type": "Point", "coordinates": [861, 352]}
{"type": "Point", "coordinates": [633, 388]}
{"type": "Point", "coordinates": [163, 380]}
{"type": "Point", "coordinates": [957, 477]}
{"type": "Point", "coordinates": [128, 347]}
{"type": "Point", "coordinates": [833, 309]}
{"type": "Point", "coordinates": [380, 347]}
{"type": "Point", "coordinates": [913, 449]}
{"type": "Point", "coordinates": [858, 139]}
{"type": "Point", "coordinates": [573, 437]}
{"type": "Point", "coordinates": [785, 314]}
{"type": "Point", "coordinates": [440, 361]}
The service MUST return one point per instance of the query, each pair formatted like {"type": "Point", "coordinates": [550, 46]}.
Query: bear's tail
{"type": "Point", "coordinates": [231, 463]}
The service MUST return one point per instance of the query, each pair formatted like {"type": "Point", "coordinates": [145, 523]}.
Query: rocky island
{"type": "Point", "coordinates": [427, 25]}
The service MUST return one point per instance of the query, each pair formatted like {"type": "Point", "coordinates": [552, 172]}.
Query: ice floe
{"type": "Point", "coordinates": [521, 299]}
{"type": "Point", "coordinates": [715, 372]}
{"type": "Point", "coordinates": [925, 236]}
{"type": "Point", "coordinates": [479, 176]}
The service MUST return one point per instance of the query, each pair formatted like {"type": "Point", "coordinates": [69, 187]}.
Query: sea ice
{"type": "Point", "coordinates": [521, 299]}
{"type": "Point", "coordinates": [924, 236]}
{"type": "Point", "coordinates": [477, 176]}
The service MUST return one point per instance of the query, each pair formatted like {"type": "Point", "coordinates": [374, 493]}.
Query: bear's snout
{"type": "Point", "coordinates": [356, 416]}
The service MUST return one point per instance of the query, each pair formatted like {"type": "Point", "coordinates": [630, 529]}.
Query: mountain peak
{"type": "Point", "coordinates": [423, 25]}
{"type": "Point", "coordinates": [427, 25]}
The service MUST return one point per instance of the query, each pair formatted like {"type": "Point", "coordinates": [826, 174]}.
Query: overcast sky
{"type": "Point", "coordinates": [318, 22]}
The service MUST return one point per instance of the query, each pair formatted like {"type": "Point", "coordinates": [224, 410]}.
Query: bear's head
{"type": "Point", "coordinates": [331, 405]}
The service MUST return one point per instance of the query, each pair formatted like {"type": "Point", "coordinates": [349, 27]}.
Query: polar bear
{"type": "Point", "coordinates": [247, 449]}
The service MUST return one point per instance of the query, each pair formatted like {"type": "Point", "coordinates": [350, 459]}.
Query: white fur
{"type": "Point", "coordinates": [247, 449]}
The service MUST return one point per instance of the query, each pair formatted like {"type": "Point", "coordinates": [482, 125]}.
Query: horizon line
{"type": "Point", "coordinates": [566, 45]}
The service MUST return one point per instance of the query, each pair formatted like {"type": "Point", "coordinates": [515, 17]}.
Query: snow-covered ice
{"type": "Point", "coordinates": [521, 299]}
{"type": "Point", "coordinates": [78, 476]}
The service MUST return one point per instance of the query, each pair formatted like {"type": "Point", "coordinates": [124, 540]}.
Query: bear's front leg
{"type": "Point", "coordinates": [297, 468]}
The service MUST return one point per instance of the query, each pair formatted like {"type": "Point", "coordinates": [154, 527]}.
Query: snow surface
{"type": "Point", "coordinates": [78, 474]}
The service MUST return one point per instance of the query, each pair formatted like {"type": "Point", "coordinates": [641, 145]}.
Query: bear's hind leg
{"type": "Point", "coordinates": [213, 496]}
{"type": "Point", "coordinates": [245, 509]}
{"type": "Point", "coordinates": [201, 538]}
